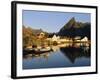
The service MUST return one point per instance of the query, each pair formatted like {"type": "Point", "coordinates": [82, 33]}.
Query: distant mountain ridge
{"type": "Point", "coordinates": [73, 28]}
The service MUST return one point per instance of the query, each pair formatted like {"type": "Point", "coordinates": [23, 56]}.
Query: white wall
{"type": "Point", "coordinates": [5, 37]}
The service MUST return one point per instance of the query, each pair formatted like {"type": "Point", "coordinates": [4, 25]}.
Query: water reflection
{"type": "Point", "coordinates": [74, 54]}
{"type": "Point", "coordinates": [31, 56]}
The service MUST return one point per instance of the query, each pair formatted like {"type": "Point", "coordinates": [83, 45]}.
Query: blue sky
{"type": "Point", "coordinates": [51, 21]}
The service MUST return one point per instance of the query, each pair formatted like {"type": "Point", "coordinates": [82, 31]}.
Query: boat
{"type": "Point", "coordinates": [37, 50]}
{"type": "Point", "coordinates": [42, 50]}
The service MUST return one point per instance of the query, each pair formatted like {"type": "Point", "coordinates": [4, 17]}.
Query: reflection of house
{"type": "Point", "coordinates": [86, 41]}
{"type": "Point", "coordinates": [55, 48]}
{"type": "Point", "coordinates": [77, 45]}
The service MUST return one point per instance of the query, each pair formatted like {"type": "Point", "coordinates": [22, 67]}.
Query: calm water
{"type": "Point", "coordinates": [66, 55]}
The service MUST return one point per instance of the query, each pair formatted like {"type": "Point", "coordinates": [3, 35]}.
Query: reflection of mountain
{"type": "Point", "coordinates": [73, 28]}
{"type": "Point", "coordinates": [73, 53]}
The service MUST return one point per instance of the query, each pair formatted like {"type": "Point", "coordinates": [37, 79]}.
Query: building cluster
{"type": "Point", "coordinates": [64, 40]}
{"type": "Point", "coordinates": [59, 40]}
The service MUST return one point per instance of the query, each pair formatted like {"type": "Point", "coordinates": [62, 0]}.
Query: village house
{"type": "Point", "coordinates": [85, 39]}
{"type": "Point", "coordinates": [77, 39]}
{"type": "Point", "coordinates": [41, 35]}
{"type": "Point", "coordinates": [57, 39]}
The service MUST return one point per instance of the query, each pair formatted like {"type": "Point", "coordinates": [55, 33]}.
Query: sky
{"type": "Point", "coordinates": [51, 21]}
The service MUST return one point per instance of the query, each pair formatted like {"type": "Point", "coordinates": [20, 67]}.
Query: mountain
{"type": "Point", "coordinates": [71, 24]}
{"type": "Point", "coordinates": [73, 28]}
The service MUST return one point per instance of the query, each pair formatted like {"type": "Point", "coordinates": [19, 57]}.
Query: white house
{"type": "Point", "coordinates": [77, 39]}
{"type": "Point", "coordinates": [85, 39]}
{"type": "Point", "coordinates": [55, 38]}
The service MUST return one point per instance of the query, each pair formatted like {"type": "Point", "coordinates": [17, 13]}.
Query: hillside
{"type": "Point", "coordinates": [73, 28]}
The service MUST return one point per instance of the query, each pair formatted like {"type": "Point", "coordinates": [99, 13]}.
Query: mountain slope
{"type": "Point", "coordinates": [73, 28]}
